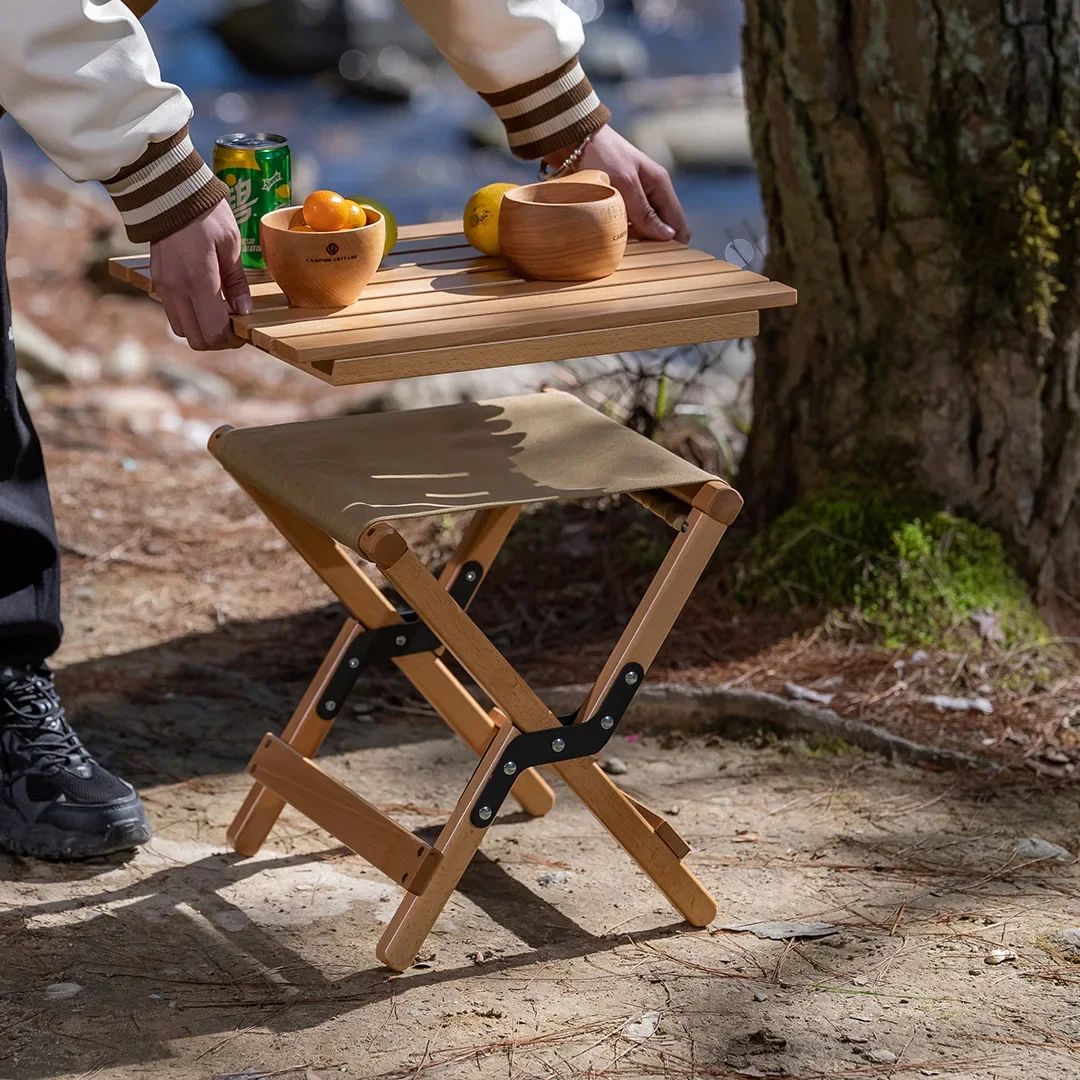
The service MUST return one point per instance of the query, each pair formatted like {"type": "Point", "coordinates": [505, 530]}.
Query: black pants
{"type": "Point", "coordinates": [29, 554]}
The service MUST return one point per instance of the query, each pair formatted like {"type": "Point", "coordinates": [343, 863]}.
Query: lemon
{"type": "Point", "coordinates": [481, 218]}
{"type": "Point", "coordinates": [388, 217]}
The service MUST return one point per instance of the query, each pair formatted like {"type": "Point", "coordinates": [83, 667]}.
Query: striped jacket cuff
{"type": "Point", "coordinates": [166, 189]}
{"type": "Point", "coordinates": [554, 111]}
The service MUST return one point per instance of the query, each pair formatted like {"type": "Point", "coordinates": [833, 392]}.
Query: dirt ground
{"type": "Point", "coordinates": [186, 961]}
{"type": "Point", "coordinates": [192, 629]}
{"type": "Point", "coordinates": [557, 958]}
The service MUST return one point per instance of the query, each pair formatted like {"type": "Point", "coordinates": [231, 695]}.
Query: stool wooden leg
{"type": "Point", "coordinates": [618, 814]}
{"type": "Point", "coordinates": [305, 733]}
{"type": "Point", "coordinates": [462, 713]}
{"type": "Point", "coordinates": [516, 698]}
{"type": "Point", "coordinates": [457, 843]}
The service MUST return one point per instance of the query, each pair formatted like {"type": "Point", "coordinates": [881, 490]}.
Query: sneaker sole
{"type": "Point", "coordinates": [48, 842]}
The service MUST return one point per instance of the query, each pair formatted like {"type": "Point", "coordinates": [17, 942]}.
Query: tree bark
{"type": "Point", "coordinates": [919, 171]}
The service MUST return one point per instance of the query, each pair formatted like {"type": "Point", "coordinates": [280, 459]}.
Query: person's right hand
{"type": "Point", "coordinates": [192, 269]}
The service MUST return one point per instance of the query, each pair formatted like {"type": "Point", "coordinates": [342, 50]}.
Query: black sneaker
{"type": "Point", "coordinates": [56, 802]}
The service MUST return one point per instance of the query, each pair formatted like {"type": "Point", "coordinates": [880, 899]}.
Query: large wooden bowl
{"type": "Point", "coordinates": [566, 231]}
{"type": "Point", "coordinates": [321, 269]}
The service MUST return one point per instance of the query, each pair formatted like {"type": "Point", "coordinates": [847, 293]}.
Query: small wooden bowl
{"type": "Point", "coordinates": [321, 269]}
{"type": "Point", "coordinates": [567, 231]}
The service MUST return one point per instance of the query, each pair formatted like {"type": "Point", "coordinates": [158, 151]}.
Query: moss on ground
{"type": "Point", "coordinates": [915, 575]}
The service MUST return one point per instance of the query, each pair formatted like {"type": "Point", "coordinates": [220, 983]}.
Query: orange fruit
{"type": "Point", "coordinates": [297, 221]}
{"type": "Point", "coordinates": [325, 211]}
{"type": "Point", "coordinates": [357, 215]}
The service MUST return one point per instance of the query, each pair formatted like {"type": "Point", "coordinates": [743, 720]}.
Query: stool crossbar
{"type": "Point", "coordinates": [328, 487]}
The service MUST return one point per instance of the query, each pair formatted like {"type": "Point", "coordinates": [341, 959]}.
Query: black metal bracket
{"type": "Point", "coordinates": [405, 638]}
{"type": "Point", "coordinates": [565, 743]}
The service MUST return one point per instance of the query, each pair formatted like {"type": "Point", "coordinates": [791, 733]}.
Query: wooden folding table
{"type": "Point", "coordinates": [436, 305]}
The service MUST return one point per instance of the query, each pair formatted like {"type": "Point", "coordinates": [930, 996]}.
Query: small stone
{"type": "Point", "coordinates": [1034, 847]}
{"type": "Point", "coordinates": [614, 766]}
{"type": "Point", "coordinates": [672, 811]}
{"type": "Point", "coordinates": [805, 693]}
{"type": "Point", "coordinates": [860, 980]}
{"type": "Point", "coordinates": [643, 1027]}
{"type": "Point", "coordinates": [760, 995]}
{"type": "Point", "coordinates": [555, 877]}
{"type": "Point", "coordinates": [881, 1057]}
{"type": "Point", "coordinates": [1070, 939]}
{"type": "Point", "coordinates": [59, 991]}
{"type": "Point", "coordinates": [857, 1039]}
{"type": "Point", "coordinates": [999, 956]}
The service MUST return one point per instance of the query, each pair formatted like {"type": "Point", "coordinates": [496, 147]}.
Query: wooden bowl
{"type": "Point", "coordinates": [321, 269]}
{"type": "Point", "coordinates": [566, 231]}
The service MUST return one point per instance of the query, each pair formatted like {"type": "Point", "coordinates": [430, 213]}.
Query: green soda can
{"type": "Point", "coordinates": [257, 171]}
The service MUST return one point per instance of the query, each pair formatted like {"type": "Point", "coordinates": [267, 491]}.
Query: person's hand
{"type": "Point", "coordinates": [192, 269]}
{"type": "Point", "coordinates": [652, 206]}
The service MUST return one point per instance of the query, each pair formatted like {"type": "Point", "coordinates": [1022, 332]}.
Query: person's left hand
{"type": "Point", "coordinates": [652, 206]}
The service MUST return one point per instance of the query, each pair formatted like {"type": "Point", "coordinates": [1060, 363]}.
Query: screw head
{"type": "Point", "coordinates": [631, 678]}
{"type": "Point", "coordinates": [607, 722]}
{"type": "Point", "coordinates": [400, 640]}
{"type": "Point", "coordinates": [510, 768]}
{"type": "Point", "coordinates": [331, 706]}
{"type": "Point", "coordinates": [470, 575]}
{"type": "Point", "coordinates": [558, 745]}
{"type": "Point", "coordinates": [484, 813]}
{"type": "Point", "coordinates": [354, 663]}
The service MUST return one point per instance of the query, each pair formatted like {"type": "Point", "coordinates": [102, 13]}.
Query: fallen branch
{"type": "Point", "coordinates": [732, 712]}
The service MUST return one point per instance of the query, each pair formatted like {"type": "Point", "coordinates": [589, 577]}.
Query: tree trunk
{"type": "Point", "coordinates": [921, 180]}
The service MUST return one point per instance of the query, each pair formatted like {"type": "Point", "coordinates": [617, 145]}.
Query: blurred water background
{"type": "Point", "coordinates": [369, 107]}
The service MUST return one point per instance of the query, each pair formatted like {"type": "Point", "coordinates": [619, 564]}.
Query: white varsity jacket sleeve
{"type": "Point", "coordinates": [522, 58]}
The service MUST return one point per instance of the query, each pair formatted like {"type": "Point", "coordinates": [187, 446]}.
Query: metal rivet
{"type": "Point", "coordinates": [558, 745]}
{"type": "Point", "coordinates": [510, 768]}
{"type": "Point", "coordinates": [401, 639]}
{"type": "Point", "coordinates": [631, 678]}
{"type": "Point", "coordinates": [470, 575]}
{"type": "Point", "coordinates": [354, 663]}
{"type": "Point", "coordinates": [331, 706]}
{"type": "Point", "coordinates": [607, 722]}
{"type": "Point", "coordinates": [484, 813]}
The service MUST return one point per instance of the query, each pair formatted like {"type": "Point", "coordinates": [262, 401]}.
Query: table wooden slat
{"type": "Point", "coordinates": [437, 305]}
{"type": "Point", "coordinates": [507, 294]}
{"type": "Point", "coordinates": [534, 350]}
{"type": "Point", "coordinates": [380, 336]}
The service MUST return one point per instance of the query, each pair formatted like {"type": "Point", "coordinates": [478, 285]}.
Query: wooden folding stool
{"type": "Point", "coordinates": [329, 487]}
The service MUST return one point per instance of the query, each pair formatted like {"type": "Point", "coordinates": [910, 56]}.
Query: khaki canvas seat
{"type": "Point", "coordinates": [330, 487]}
{"type": "Point", "coordinates": [346, 473]}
